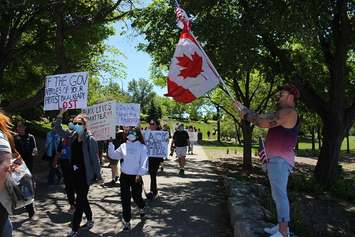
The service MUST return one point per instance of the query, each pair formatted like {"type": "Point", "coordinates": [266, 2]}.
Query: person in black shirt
{"type": "Point", "coordinates": [154, 163]}
{"type": "Point", "coordinates": [86, 167]}
{"type": "Point", "coordinates": [25, 144]}
{"type": "Point", "coordinates": [181, 142]}
{"type": "Point", "coordinates": [121, 137]}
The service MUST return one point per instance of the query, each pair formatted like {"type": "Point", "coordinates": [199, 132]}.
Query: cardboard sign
{"type": "Point", "coordinates": [69, 91]}
{"type": "Point", "coordinates": [157, 143]}
{"type": "Point", "coordinates": [102, 121]}
{"type": "Point", "coordinates": [128, 114]}
{"type": "Point", "coordinates": [193, 136]}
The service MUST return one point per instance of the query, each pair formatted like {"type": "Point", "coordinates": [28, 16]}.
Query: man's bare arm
{"type": "Point", "coordinates": [281, 117]}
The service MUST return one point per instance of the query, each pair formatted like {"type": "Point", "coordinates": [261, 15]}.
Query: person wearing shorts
{"type": "Point", "coordinates": [181, 142]}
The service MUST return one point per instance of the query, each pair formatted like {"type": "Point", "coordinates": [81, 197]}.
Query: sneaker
{"type": "Point", "coordinates": [116, 179]}
{"type": "Point", "coordinates": [88, 225]}
{"type": "Point", "coordinates": [71, 209]}
{"type": "Point", "coordinates": [181, 172]}
{"type": "Point", "coordinates": [278, 234]}
{"type": "Point", "coordinates": [73, 234]}
{"type": "Point", "coordinates": [126, 226]}
{"type": "Point", "coordinates": [150, 196]}
{"type": "Point", "coordinates": [141, 212]}
{"type": "Point", "coordinates": [271, 230]}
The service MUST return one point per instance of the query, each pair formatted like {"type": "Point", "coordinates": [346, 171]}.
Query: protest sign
{"type": "Point", "coordinates": [128, 114]}
{"type": "Point", "coordinates": [102, 120]}
{"type": "Point", "coordinates": [67, 91]}
{"type": "Point", "coordinates": [157, 143]}
{"type": "Point", "coordinates": [193, 136]}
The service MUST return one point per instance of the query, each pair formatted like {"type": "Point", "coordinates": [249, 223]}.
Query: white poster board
{"type": "Point", "coordinates": [157, 143]}
{"type": "Point", "coordinates": [102, 121]}
{"type": "Point", "coordinates": [128, 114]}
{"type": "Point", "coordinates": [193, 136]}
{"type": "Point", "coordinates": [69, 91]}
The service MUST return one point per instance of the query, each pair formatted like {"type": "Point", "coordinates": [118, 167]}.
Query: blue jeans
{"type": "Point", "coordinates": [278, 170]}
{"type": "Point", "coordinates": [7, 232]}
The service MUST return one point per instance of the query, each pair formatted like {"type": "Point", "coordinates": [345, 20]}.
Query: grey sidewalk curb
{"type": "Point", "coordinates": [247, 215]}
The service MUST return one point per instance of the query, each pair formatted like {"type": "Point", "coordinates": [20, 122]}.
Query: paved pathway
{"type": "Point", "coordinates": [191, 206]}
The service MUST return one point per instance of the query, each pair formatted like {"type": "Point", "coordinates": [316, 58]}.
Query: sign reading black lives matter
{"type": "Point", "coordinates": [128, 114]}
{"type": "Point", "coordinates": [102, 119]}
{"type": "Point", "coordinates": [68, 91]}
{"type": "Point", "coordinates": [157, 143]}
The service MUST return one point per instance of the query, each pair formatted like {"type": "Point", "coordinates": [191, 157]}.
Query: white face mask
{"type": "Point", "coordinates": [131, 137]}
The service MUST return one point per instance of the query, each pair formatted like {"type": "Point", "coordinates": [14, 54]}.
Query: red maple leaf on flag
{"type": "Point", "coordinates": [191, 67]}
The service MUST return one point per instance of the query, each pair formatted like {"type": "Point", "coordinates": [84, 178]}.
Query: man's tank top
{"type": "Point", "coordinates": [281, 142]}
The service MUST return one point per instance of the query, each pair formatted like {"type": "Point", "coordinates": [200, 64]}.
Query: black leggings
{"type": "Point", "coordinates": [130, 188]}
{"type": "Point", "coordinates": [81, 204]}
{"type": "Point", "coordinates": [67, 171]}
{"type": "Point", "coordinates": [154, 163]}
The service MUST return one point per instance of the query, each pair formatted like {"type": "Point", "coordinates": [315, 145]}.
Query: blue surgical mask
{"type": "Point", "coordinates": [79, 129]}
{"type": "Point", "coordinates": [131, 137]}
{"type": "Point", "coordinates": [71, 126]}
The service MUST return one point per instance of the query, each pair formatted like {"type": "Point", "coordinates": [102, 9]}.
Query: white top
{"type": "Point", "coordinates": [134, 156]}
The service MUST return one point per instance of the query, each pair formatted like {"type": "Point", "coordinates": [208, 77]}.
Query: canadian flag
{"type": "Point", "coordinates": [191, 73]}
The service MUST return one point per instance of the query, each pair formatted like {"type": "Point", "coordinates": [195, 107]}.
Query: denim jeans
{"type": "Point", "coordinates": [278, 170]}
{"type": "Point", "coordinates": [7, 232]}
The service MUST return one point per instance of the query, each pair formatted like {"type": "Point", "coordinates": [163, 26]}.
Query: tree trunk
{"type": "Point", "coordinates": [247, 138]}
{"type": "Point", "coordinates": [313, 141]}
{"type": "Point", "coordinates": [218, 125]}
{"type": "Point", "coordinates": [347, 143]}
{"type": "Point", "coordinates": [326, 171]}
{"type": "Point", "coordinates": [319, 137]}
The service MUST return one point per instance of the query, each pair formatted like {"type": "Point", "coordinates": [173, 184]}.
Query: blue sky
{"type": "Point", "coordinates": [137, 62]}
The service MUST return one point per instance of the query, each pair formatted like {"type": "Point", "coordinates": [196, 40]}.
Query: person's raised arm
{"type": "Point", "coordinates": [57, 125]}
{"type": "Point", "coordinates": [284, 117]}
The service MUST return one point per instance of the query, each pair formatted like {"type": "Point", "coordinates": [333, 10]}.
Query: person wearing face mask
{"type": "Point", "coordinates": [6, 148]}
{"type": "Point", "coordinates": [180, 142]}
{"type": "Point", "coordinates": [134, 155]}
{"type": "Point", "coordinates": [154, 163]}
{"type": "Point", "coordinates": [121, 137]}
{"type": "Point", "coordinates": [85, 164]}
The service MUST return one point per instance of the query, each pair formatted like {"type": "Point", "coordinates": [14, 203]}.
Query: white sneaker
{"type": "Point", "coordinates": [278, 234]}
{"type": "Point", "coordinates": [271, 230]}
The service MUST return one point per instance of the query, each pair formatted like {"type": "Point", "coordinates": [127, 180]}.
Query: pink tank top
{"type": "Point", "coordinates": [281, 142]}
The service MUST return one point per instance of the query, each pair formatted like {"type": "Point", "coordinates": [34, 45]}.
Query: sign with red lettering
{"type": "Point", "coordinates": [69, 91]}
{"type": "Point", "coordinates": [102, 120]}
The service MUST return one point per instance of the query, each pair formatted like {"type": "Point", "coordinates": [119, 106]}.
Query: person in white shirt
{"type": "Point", "coordinates": [134, 155]}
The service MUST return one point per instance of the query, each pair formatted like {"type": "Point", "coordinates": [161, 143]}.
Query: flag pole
{"type": "Point", "coordinates": [211, 65]}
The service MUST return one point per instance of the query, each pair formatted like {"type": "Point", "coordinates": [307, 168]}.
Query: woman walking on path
{"type": "Point", "coordinates": [134, 165]}
{"type": "Point", "coordinates": [86, 167]}
{"type": "Point", "coordinates": [154, 163]}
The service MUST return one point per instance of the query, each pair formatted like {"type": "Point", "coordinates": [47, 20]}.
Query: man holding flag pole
{"type": "Point", "coordinates": [280, 142]}
{"type": "Point", "coordinates": [191, 74]}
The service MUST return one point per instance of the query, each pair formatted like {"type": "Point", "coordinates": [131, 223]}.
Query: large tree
{"type": "Point", "coordinates": [308, 43]}
{"type": "Point", "coordinates": [39, 37]}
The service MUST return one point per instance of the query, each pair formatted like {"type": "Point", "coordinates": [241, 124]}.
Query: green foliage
{"type": "Point", "coordinates": [141, 92]}
{"type": "Point", "coordinates": [154, 112]}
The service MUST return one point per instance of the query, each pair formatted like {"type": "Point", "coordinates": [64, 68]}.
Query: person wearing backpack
{"type": "Point", "coordinates": [85, 164]}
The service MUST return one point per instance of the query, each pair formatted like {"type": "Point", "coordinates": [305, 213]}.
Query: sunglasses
{"type": "Point", "coordinates": [151, 123]}
{"type": "Point", "coordinates": [77, 123]}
